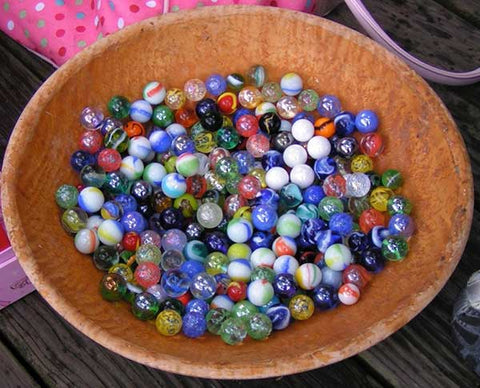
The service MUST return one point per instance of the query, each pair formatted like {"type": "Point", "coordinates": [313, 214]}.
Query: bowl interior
{"type": "Point", "coordinates": [421, 141]}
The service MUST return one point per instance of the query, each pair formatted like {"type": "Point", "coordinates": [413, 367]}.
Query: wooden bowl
{"type": "Point", "coordinates": [421, 141]}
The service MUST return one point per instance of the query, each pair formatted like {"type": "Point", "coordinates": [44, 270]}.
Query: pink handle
{"type": "Point", "coordinates": [427, 71]}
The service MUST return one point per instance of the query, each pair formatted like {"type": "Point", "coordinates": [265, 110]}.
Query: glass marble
{"type": "Point", "coordinates": [260, 292]}
{"type": "Point", "coordinates": [370, 218]}
{"type": "Point", "coordinates": [192, 267]}
{"type": "Point", "coordinates": [308, 100]}
{"type": "Point", "coordinates": [211, 120]}
{"type": "Point", "coordinates": [366, 121]}
{"type": "Point", "coordinates": [197, 306]}
{"type": "Point", "coordinates": [401, 225]}
{"type": "Point", "coordinates": [311, 228]}
{"type": "Point", "coordinates": [108, 124]}
{"type": "Point", "coordinates": [104, 257]}
{"type": "Point", "coordinates": [171, 259]}
{"type": "Point", "coordinates": [295, 155]}
{"type": "Point", "coordinates": [356, 274]}
{"type": "Point", "coordinates": [307, 211]}
{"type": "Point", "coordinates": [270, 123]}
{"type": "Point", "coordinates": [175, 98]}
{"type": "Point", "coordinates": [133, 221]}
{"type": "Point", "coordinates": [372, 260]}
{"type": "Point", "coordinates": [250, 97]}
{"type": "Point", "coordinates": [226, 167]}
{"type": "Point", "coordinates": [145, 306]}
{"type": "Point", "coordinates": [227, 137]}
{"type": "Point", "coordinates": [148, 252]}
{"type": "Point", "coordinates": [244, 310]}
{"type": "Point", "coordinates": [147, 274]}
{"type": "Point", "coordinates": [291, 84]}
{"type": "Point", "coordinates": [347, 147]}
{"type": "Point", "coordinates": [175, 283]}
{"type": "Point", "coordinates": [91, 141]}
{"type": "Point", "coordinates": [302, 175]}
{"type": "Point", "coordinates": [287, 107]}
{"type": "Point", "coordinates": [233, 331]}
{"type": "Point", "coordinates": [215, 317]}
{"type": "Point", "coordinates": [344, 123]}
{"type": "Point", "coordinates": [301, 307]}
{"type": "Point", "coordinates": [113, 287]}
{"type": "Point", "coordinates": [379, 198]}
{"type": "Point", "coordinates": [324, 167]}
{"type": "Point", "coordinates": [237, 291]}
{"type": "Point", "coordinates": [325, 297]}
{"type": "Point", "coordinates": [282, 140]}
{"type": "Point", "coordinates": [203, 286]}
{"type": "Point", "coordinates": [141, 191]}
{"type": "Point", "coordinates": [258, 145]}
{"type": "Point", "coordinates": [110, 232]}
{"type": "Point", "coordinates": [154, 92]}
{"type": "Point", "coordinates": [66, 196]}
{"type": "Point", "coordinates": [74, 219]}
{"type": "Point", "coordinates": [186, 117]}
{"type": "Point", "coordinates": [290, 196]}
{"type": "Point", "coordinates": [162, 116]}
{"type": "Point", "coordinates": [357, 185]}
{"type": "Point", "coordinates": [361, 163]}
{"type": "Point", "coordinates": [286, 262]}
{"type": "Point", "coordinates": [348, 294]}
{"type": "Point", "coordinates": [91, 118]}
{"type": "Point", "coordinates": [227, 103]}
{"type": "Point", "coordinates": [329, 206]}
{"type": "Point", "coordinates": [194, 89]}
{"type": "Point", "coordinates": [371, 144]}
{"type": "Point", "coordinates": [289, 225]}
{"type": "Point", "coordinates": [259, 326]}
{"type": "Point", "coordinates": [140, 111]}
{"type": "Point", "coordinates": [194, 325]}
{"type": "Point", "coordinates": [216, 262]}
{"type": "Point", "coordinates": [392, 179]}
{"type": "Point", "coordinates": [394, 248]}
{"type": "Point", "coordinates": [358, 242]}
{"type": "Point", "coordinates": [263, 272]}
{"type": "Point", "coordinates": [398, 205]}
{"type": "Point", "coordinates": [341, 223]}
{"type": "Point", "coordinates": [284, 285]}
{"type": "Point", "coordinates": [119, 107]}
{"type": "Point", "coordinates": [338, 257]}
{"type": "Point", "coordinates": [79, 159]}
{"type": "Point", "coordinates": [280, 316]}
{"type": "Point", "coordinates": [357, 205]}
{"type": "Point", "coordinates": [109, 159]}
{"type": "Point", "coordinates": [235, 81]}
{"type": "Point", "coordinates": [256, 75]}
{"type": "Point", "coordinates": [247, 125]}
{"type": "Point", "coordinates": [215, 84]}
{"type": "Point", "coordinates": [329, 106]}
{"type": "Point", "coordinates": [168, 323]}
{"type": "Point", "coordinates": [209, 215]}
{"type": "Point", "coordinates": [324, 127]}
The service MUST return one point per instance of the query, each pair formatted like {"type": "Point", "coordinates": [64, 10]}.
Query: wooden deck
{"type": "Point", "coordinates": [38, 348]}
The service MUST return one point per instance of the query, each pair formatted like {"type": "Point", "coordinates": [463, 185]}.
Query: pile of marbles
{"type": "Point", "coordinates": [235, 205]}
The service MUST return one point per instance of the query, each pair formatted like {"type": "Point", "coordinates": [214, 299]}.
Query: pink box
{"type": "Point", "coordinates": [14, 284]}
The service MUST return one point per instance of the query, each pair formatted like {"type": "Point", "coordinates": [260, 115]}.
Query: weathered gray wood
{"type": "Point", "coordinates": [62, 356]}
{"type": "Point", "coordinates": [426, 29]}
{"type": "Point", "coordinates": [12, 373]}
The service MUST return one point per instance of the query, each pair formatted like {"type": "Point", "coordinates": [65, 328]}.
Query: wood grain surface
{"type": "Point", "coordinates": [420, 354]}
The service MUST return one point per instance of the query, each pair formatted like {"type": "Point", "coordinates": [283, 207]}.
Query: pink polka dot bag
{"type": "Point", "coordinates": [58, 29]}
